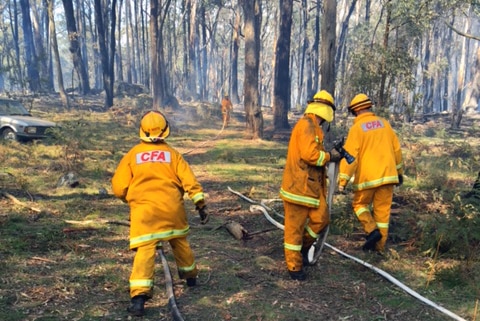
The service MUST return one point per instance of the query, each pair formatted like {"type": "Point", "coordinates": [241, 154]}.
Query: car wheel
{"type": "Point", "coordinates": [9, 134]}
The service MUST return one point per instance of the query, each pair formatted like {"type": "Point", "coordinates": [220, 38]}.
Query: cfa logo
{"type": "Point", "coordinates": [154, 156]}
{"type": "Point", "coordinates": [374, 124]}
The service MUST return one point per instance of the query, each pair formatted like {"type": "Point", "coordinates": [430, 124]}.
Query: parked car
{"type": "Point", "coordinates": [16, 123]}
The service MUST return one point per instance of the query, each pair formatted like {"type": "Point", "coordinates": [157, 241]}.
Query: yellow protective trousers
{"type": "Point", "coordinates": [302, 226]}
{"type": "Point", "coordinates": [142, 276]}
{"type": "Point", "coordinates": [372, 208]}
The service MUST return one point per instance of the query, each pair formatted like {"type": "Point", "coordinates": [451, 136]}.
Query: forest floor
{"type": "Point", "coordinates": [64, 255]}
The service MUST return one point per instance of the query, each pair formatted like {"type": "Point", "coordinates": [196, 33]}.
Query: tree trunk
{"type": "Point", "coordinates": [235, 52]}
{"type": "Point", "coordinates": [160, 92]}
{"type": "Point", "coordinates": [315, 53]}
{"type": "Point", "coordinates": [281, 85]}
{"type": "Point", "coordinates": [58, 66]}
{"type": "Point", "coordinates": [16, 42]}
{"type": "Point", "coordinates": [383, 68]}
{"type": "Point", "coordinates": [119, 53]}
{"type": "Point", "coordinates": [254, 117]}
{"type": "Point", "coordinates": [106, 56]}
{"type": "Point", "coordinates": [33, 78]}
{"type": "Point", "coordinates": [203, 55]}
{"type": "Point", "coordinates": [473, 90]}
{"type": "Point", "coordinates": [192, 57]}
{"type": "Point", "coordinates": [73, 36]}
{"type": "Point", "coordinates": [38, 32]}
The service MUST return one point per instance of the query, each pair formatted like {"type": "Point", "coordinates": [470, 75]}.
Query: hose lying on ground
{"type": "Point", "coordinates": [169, 286]}
{"type": "Point", "coordinates": [368, 265]}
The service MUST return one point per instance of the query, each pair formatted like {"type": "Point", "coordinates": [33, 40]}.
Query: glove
{"type": "Point", "coordinates": [334, 155]}
{"type": "Point", "coordinates": [204, 216]}
{"type": "Point", "coordinates": [341, 189]}
{"type": "Point", "coordinates": [400, 180]}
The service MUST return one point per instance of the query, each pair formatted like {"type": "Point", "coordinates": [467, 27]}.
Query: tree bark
{"type": "Point", "coordinates": [73, 36]}
{"type": "Point", "coordinates": [281, 85]}
{"type": "Point", "coordinates": [254, 116]}
{"type": "Point", "coordinates": [235, 51]}
{"type": "Point", "coordinates": [33, 77]}
{"type": "Point", "coordinates": [58, 66]}
{"type": "Point", "coordinates": [161, 93]}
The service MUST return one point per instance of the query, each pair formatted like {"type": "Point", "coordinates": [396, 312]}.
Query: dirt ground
{"type": "Point", "coordinates": [84, 275]}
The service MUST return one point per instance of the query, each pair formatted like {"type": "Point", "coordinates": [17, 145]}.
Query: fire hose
{"type": "Point", "coordinates": [260, 207]}
{"type": "Point", "coordinates": [169, 286]}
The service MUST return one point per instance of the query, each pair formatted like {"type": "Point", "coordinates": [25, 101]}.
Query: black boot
{"type": "Point", "coordinates": [191, 281]}
{"type": "Point", "coordinates": [298, 275]}
{"type": "Point", "coordinates": [305, 260]}
{"type": "Point", "coordinates": [137, 308]}
{"type": "Point", "coordinates": [372, 239]}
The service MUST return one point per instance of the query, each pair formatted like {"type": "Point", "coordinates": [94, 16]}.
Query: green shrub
{"type": "Point", "coordinates": [456, 233]}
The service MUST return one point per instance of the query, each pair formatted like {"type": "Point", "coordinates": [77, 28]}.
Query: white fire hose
{"type": "Point", "coordinates": [261, 207]}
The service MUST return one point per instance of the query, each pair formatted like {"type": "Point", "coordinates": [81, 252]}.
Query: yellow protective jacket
{"type": "Point", "coordinates": [378, 157]}
{"type": "Point", "coordinates": [153, 178]}
{"type": "Point", "coordinates": [304, 173]}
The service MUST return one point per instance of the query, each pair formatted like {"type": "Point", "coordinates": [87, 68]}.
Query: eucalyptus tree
{"type": "Point", "coordinates": [252, 22]}
{"type": "Point", "coordinates": [58, 65]}
{"type": "Point", "coordinates": [281, 83]}
{"type": "Point", "coordinates": [106, 42]}
{"type": "Point", "coordinates": [161, 92]}
{"type": "Point", "coordinates": [33, 77]}
{"type": "Point", "coordinates": [236, 33]}
{"type": "Point", "coordinates": [328, 47]}
{"type": "Point", "coordinates": [75, 49]}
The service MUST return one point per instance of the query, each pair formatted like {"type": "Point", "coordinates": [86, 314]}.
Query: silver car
{"type": "Point", "coordinates": [16, 123]}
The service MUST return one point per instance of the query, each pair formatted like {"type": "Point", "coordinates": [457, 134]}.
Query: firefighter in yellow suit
{"type": "Point", "coordinates": [153, 178]}
{"type": "Point", "coordinates": [377, 168]}
{"type": "Point", "coordinates": [227, 109]}
{"type": "Point", "coordinates": [303, 189]}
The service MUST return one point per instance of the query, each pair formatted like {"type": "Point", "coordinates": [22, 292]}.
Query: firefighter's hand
{"type": "Point", "coordinates": [334, 155]}
{"type": "Point", "coordinates": [341, 189]}
{"type": "Point", "coordinates": [204, 216]}
{"type": "Point", "coordinates": [400, 180]}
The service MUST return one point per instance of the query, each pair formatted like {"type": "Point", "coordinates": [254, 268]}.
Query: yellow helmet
{"type": "Point", "coordinates": [322, 105]}
{"type": "Point", "coordinates": [359, 102]}
{"type": "Point", "coordinates": [153, 127]}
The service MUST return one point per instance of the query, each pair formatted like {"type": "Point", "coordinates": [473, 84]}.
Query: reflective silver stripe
{"type": "Point", "coordinates": [321, 158]}
{"type": "Point", "coordinates": [344, 176]}
{"type": "Point", "coordinates": [361, 211]}
{"type": "Point", "coordinates": [158, 236]}
{"type": "Point", "coordinates": [382, 225]}
{"type": "Point", "coordinates": [187, 268]}
{"type": "Point", "coordinates": [300, 199]}
{"type": "Point", "coordinates": [378, 182]}
{"type": "Point", "coordinates": [312, 233]}
{"type": "Point", "coordinates": [292, 247]}
{"type": "Point", "coordinates": [145, 283]}
{"type": "Point", "coordinates": [197, 197]}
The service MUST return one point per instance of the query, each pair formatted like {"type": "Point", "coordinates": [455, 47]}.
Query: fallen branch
{"type": "Point", "coordinates": [262, 231]}
{"type": "Point", "coordinates": [79, 229]}
{"type": "Point", "coordinates": [99, 221]}
{"type": "Point", "coordinates": [16, 201]}
{"type": "Point", "coordinates": [42, 259]}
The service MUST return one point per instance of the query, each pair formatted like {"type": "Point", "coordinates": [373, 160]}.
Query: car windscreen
{"type": "Point", "coordinates": [13, 108]}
